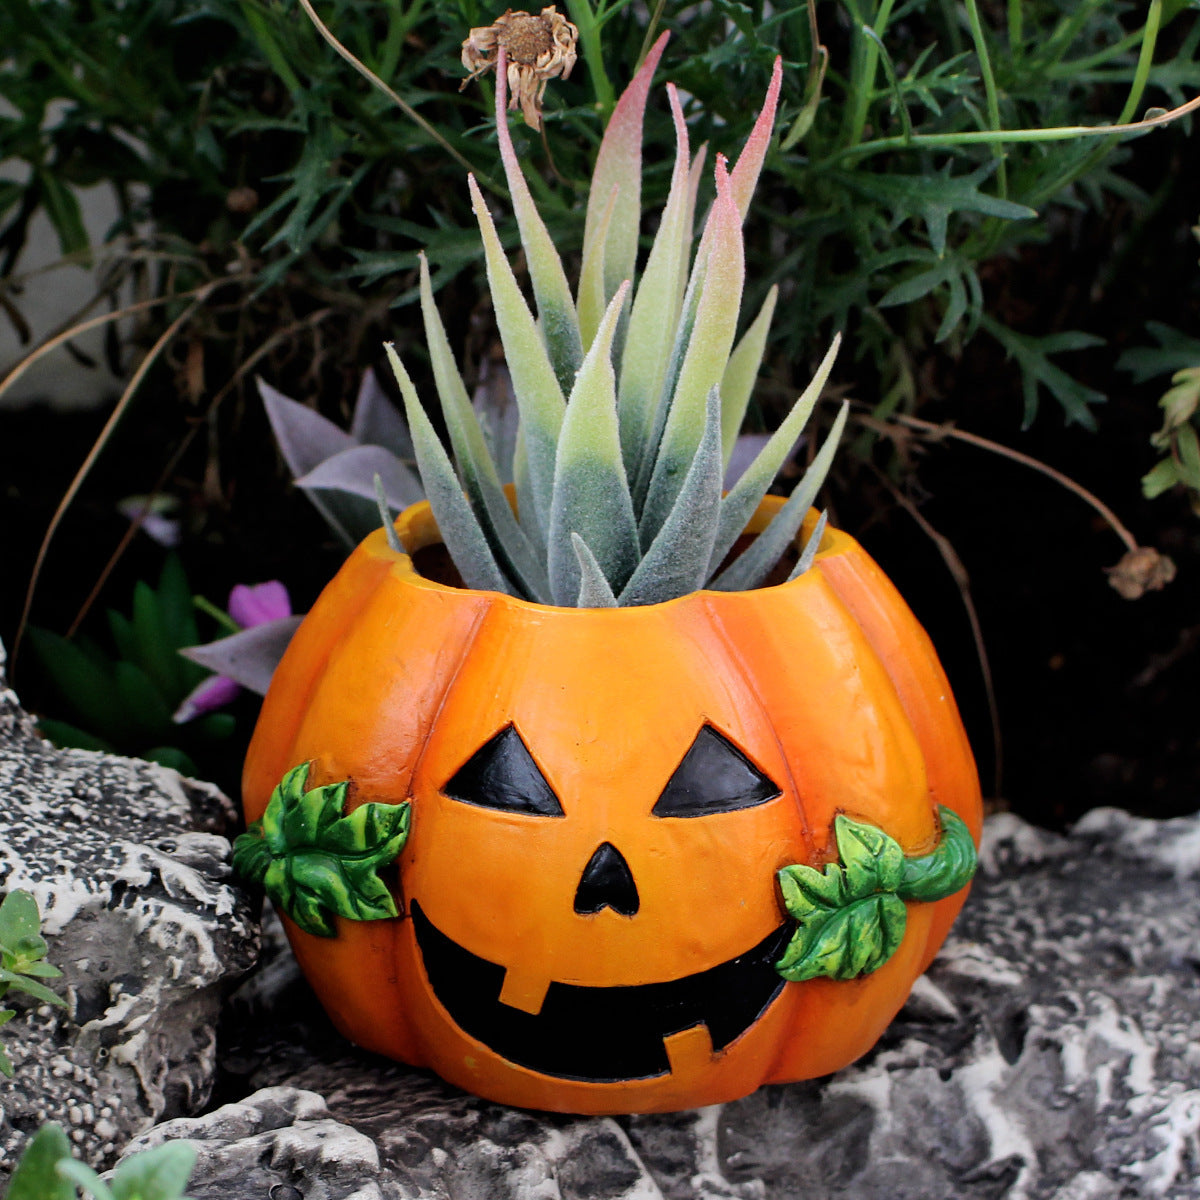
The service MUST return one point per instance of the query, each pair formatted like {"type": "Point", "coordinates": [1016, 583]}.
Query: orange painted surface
{"type": "Point", "coordinates": [827, 684]}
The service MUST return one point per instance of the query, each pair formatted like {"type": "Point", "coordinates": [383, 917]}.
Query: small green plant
{"type": "Point", "coordinates": [23, 959]}
{"type": "Point", "coordinates": [126, 703]}
{"type": "Point", "coordinates": [48, 1171]}
{"type": "Point", "coordinates": [630, 399]}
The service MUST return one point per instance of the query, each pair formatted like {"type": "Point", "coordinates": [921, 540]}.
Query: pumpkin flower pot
{"type": "Point", "coordinates": [613, 792]}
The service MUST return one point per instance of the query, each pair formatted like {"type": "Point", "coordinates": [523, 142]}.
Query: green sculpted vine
{"type": "Point", "coordinates": [851, 914]}
{"type": "Point", "coordinates": [314, 862]}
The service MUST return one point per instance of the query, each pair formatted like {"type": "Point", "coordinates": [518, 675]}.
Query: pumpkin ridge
{"type": "Point", "coordinates": [712, 606]}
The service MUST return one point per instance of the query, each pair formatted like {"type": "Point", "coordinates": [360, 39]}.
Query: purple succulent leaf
{"type": "Point", "coordinates": [305, 437]}
{"type": "Point", "coordinates": [250, 657]}
{"type": "Point", "coordinates": [354, 471]}
{"type": "Point", "coordinates": [377, 421]}
{"type": "Point", "coordinates": [256, 604]}
{"type": "Point", "coordinates": [498, 414]}
{"type": "Point", "coordinates": [745, 451]}
{"type": "Point", "coordinates": [207, 696]}
{"type": "Point", "coordinates": [155, 523]}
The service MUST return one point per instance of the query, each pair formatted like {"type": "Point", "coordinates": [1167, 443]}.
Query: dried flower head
{"type": "Point", "coordinates": [1140, 571]}
{"type": "Point", "coordinates": [536, 50]}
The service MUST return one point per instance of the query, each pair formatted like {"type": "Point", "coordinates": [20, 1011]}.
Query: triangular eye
{"type": "Point", "coordinates": [714, 777]}
{"type": "Point", "coordinates": [502, 774]}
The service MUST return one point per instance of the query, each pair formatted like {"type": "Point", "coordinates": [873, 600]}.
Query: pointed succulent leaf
{"type": "Point", "coordinates": [305, 438]}
{"type": "Point", "coordinates": [534, 382]}
{"type": "Point", "coordinates": [385, 518]}
{"type": "Point", "coordinates": [756, 562]}
{"type": "Point", "coordinates": [591, 494]}
{"type": "Point", "coordinates": [618, 165]}
{"type": "Point", "coordinates": [376, 421]}
{"type": "Point", "coordinates": [654, 315]}
{"type": "Point", "coordinates": [741, 373]}
{"type": "Point", "coordinates": [948, 868]}
{"type": "Point", "coordinates": [809, 554]}
{"type": "Point", "coordinates": [592, 300]}
{"type": "Point", "coordinates": [677, 561]}
{"type": "Point", "coordinates": [744, 176]}
{"type": "Point", "coordinates": [747, 493]}
{"type": "Point", "coordinates": [703, 364]}
{"type": "Point", "coordinates": [319, 863]}
{"type": "Point", "coordinates": [476, 469]}
{"type": "Point", "coordinates": [249, 657]}
{"type": "Point", "coordinates": [353, 470]}
{"type": "Point", "coordinates": [594, 590]}
{"type": "Point", "coordinates": [463, 537]}
{"type": "Point", "coordinates": [526, 509]}
{"type": "Point", "coordinates": [36, 1176]}
{"type": "Point", "coordinates": [556, 309]}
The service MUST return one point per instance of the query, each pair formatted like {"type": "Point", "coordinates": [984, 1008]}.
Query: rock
{"type": "Point", "coordinates": [1051, 1053]}
{"type": "Point", "coordinates": [131, 874]}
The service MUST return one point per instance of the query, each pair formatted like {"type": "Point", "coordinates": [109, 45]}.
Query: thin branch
{"type": "Point", "coordinates": [136, 523]}
{"type": "Point", "coordinates": [959, 572]}
{"type": "Point", "coordinates": [397, 100]}
{"type": "Point", "coordinates": [973, 439]}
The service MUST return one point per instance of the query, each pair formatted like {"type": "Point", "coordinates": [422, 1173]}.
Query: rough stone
{"type": "Point", "coordinates": [131, 875]}
{"type": "Point", "coordinates": [1051, 1053]}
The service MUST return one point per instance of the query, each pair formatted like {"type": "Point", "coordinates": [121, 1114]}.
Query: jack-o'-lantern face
{"type": "Point", "coordinates": [626, 1024]}
{"type": "Point", "coordinates": [601, 803]}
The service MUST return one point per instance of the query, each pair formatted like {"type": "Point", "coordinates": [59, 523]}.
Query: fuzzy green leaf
{"type": "Point", "coordinates": [744, 177]}
{"type": "Point", "coordinates": [809, 554]}
{"type": "Point", "coordinates": [317, 862]}
{"type": "Point", "coordinates": [556, 310]}
{"type": "Point", "coordinates": [677, 561]}
{"type": "Point", "coordinates": [36, 1176]}
{"type": "Point", "coordinates": [476, 469]}
{"type": "Point", "coordinates": [594, 591]}
{"type": "Point", "coordinates": [591, 494]}
{"type": "Point", "coordinates": [741, 373]}
{"type": "Point", "coordinates": [535, 385]}
{"type": "Point", "coordinates": [747, 493]}
{"type": "Point", "coordinates": [618, 167]}
{"type": "Point", "coordinates": [755, 563]}
{"type": "Point", "coordinates": [655, 314]}
{"type": "Point", "coordinates": [160, 1173]}
{"type": "Point", "coordinates": [704, 363]}
{"type": "Point", "coordinates": [460, 530]}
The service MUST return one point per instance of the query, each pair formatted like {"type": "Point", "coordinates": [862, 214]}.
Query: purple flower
{"type": "Point", "coordinates": [249, 606]}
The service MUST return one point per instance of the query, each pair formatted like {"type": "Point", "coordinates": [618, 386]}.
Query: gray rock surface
{"type": "Point", "coordinates": [1051, 1053]}
{"type": "Point", "coordinates": [131, 875]}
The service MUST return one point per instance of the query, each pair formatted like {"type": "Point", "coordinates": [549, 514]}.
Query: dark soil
{"type": "Point", "coordinates": [1096, 694]}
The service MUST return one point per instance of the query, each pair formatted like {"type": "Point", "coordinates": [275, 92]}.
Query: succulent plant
{"type": "Point", "coordinates": [630, 397]}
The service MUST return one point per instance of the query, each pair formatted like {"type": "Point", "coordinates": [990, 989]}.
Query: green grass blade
{"type": "Point", "coordinates": [556, 309]}
{"type": "Point", "coordinates": [755, 563]}
{"type": "Point", "coordinates": [594, 591]}
{"type": "Point", "coordinates": [745, 496]}
{"type": "Point", "coordinates": [591, 493]}
{"type": "Point", "coordinates": [476, 468]}
{"type": "Point", "coordinates": [618, 165]}
{"type": "Point", "coordinates": [677, 561]}
{"type": "Point", "coordinates": [741, 373]}
{"type": "Point", "coordinates": [654, 316]}
{"type": "Point", "coordinates": [460, 530]}
{"type": "Point", "coordinates": [704, 363]}
{"type": "Point", "coordinates": [535, 385]}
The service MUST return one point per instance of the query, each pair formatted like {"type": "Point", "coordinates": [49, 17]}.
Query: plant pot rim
{"type": "Point", "coordinates": [418, 529]}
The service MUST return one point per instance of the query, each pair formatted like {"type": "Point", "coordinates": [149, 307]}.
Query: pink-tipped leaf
{"type": "Point", "coordinates": [619, 165]}
{"type": "Point", "coordinates": [556, 309]}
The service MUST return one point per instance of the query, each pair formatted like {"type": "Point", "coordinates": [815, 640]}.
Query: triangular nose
{"type": "Point", "coordinates": [607, 883]}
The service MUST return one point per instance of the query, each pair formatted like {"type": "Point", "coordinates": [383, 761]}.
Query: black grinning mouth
{"type": "Point", "coordinates": [599, 1034]}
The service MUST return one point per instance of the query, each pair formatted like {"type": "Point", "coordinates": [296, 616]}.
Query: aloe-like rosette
{"type": "Point", "coordinates": [630, 392]}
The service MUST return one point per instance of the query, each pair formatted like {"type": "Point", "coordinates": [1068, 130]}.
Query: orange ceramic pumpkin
{"type": "Point", "coordinates": [601, 803]}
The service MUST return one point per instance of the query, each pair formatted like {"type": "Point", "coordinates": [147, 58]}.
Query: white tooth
{"type": "Point", "coordinates": [524, 991]}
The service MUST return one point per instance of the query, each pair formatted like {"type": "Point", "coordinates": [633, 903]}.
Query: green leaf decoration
{"type": "Point", "coordinates": [36, 1176]}
{"type": "Point", "coordinates": [316, 863]}
{"type": "Point", "coordinates": [22, 959]}
{"type": "Point", "coordinates": [851, 915]}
